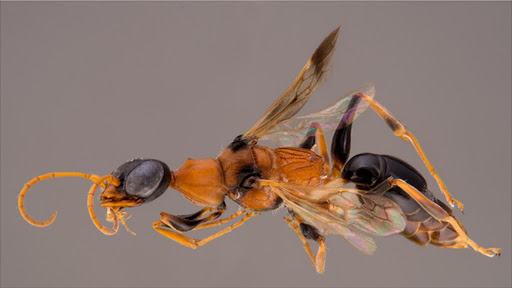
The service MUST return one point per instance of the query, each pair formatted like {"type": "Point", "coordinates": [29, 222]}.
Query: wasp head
{"type": "Point", "coordinates": [140, 181]}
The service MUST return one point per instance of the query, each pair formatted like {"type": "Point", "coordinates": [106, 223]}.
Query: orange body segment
{"type": "Point", "coordinates": [200, 181]}
{"type": "Point", "coordinates": [300, 166]}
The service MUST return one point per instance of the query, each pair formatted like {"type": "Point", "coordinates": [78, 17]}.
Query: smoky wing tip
{"type": "Point", "coordinates": [334, 34]}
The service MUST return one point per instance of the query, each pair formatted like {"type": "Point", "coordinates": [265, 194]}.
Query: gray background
{"type": "Point", "coordinates": [87, 86]}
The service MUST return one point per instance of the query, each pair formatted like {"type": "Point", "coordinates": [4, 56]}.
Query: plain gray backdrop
{"type": "Point", "coordinates": [87, 86]}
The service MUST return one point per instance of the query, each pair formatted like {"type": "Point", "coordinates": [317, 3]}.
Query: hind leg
{"type": "Point", "coordinates": [340, 146]}
{"type": "Point", "coordinates": [401, 131]}
{"type": "Point", "coordinates": [440, 214]}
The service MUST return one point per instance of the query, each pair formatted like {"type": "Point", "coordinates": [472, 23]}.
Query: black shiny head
{"type": "Point", "coordinates": [143, 178]}
{"type": "Point", "coordinates": [363, 169]}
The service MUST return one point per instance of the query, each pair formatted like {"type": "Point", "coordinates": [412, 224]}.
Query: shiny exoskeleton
{"type": "Point", "coordinates": [239, 167]}
{"type": "Point", "coordinates": [142, 180]}
{"type": "Point", "coordinates": [369, 170]}
{"type": "Point", "coordinates": [390, 196]}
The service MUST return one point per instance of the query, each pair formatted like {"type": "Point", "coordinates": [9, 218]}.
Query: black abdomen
{"type": "Point", "coordinates": [369, 170]}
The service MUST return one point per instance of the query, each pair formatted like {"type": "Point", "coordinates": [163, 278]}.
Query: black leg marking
{"type": "Point", "coordinates": [308, 142]}
{"type": "Point", "coordinates": [310, 232]}
{"type": "Point", "coordinates": [340, 147]}
{"type": "Point", "coordinates": [310, 139]}
{"type": "Point", "coordinates": [184, 223]}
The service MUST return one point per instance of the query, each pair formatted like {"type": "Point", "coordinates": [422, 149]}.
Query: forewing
{"type": "Point", "coordinates": [291, 132]}
{"type": "Point", "coordinates": [314, 74]}
{"type": "Point", "coordinates": [316, 214]}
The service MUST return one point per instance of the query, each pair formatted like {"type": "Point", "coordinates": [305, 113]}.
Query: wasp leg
{"type": "Point", "coordinates": [322, 148]}
{"type": "Point", "coordinates": [315, 131]}
{"type": "Point", "coordinates": [440, 214]}
{"type": "Point", "coordinates": [295, 227]}
{"type": "Point", "coordinates": [198, 214]}
{"type": "Point", "coordinates": [192, 242]}
{"type": "Point", "coordinates": [306, 231]}
{"type": "Point", "coordinates": [320, 255]}
{"type": "Point", "coordinates": [168, 220]}
{"type": "Point", "coordinates": [185, 223]}
{"type": "Point", "coordinates": [310, 232]}
{"type": "Point", "coordinates": [220, 221]}
{"type": "Point", "coordinates": [309, 141]}
{"type": "Point", "coordinates": [401, 131]}
{"type": "Point", "coordinates": [340, 147]}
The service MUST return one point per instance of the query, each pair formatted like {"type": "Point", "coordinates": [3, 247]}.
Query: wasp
{"type": "Point", "coordinates": [322, 191]}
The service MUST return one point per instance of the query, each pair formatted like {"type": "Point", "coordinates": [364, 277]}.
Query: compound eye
{"type": "Point", "coordinates": [148, 180]}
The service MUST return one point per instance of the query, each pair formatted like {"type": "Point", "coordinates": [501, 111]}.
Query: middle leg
{"type": "Point", "coordinates": [315, 132]}
{"type": "Point", "coordinates": [306, 231]}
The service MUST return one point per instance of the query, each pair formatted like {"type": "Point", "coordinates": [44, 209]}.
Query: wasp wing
{"type": "Point", "coordinates": [372, 214]}
{"type": "Point", "coordinates": [336, 209]}
{"type": "Point", "coordinates": [314, 74]}
{"type": "Point", "coordinates": [319, 217]}
{"type": "Point", "coordinates": [291, 132]}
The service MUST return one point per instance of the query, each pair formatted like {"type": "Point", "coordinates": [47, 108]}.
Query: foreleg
{"type": "Point", "coordinates": [192, 242]}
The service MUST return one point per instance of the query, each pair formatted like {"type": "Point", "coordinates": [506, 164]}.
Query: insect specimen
{"type": "Point", "coordinates": [390, 196]}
